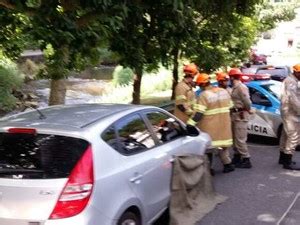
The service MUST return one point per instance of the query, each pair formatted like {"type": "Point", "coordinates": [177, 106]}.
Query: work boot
{"type": "Point", "coordinates": [280, 160]}
{"type": "Point", "coordinates": [287, 162]}
{"type": "Point", "coordinates": [212, 172]}
{"type": "Point", "coordinates": [236, 159]}
{"type": "Point", "coordinates": [281, 156]}
{"type": "Point", "coordinates": [228, 168]}
{"type": "Point", "coordinates": [245, 164]}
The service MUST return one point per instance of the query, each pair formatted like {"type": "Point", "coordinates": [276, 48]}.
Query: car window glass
{"type": "Point", "coordinates": [257, 97]}
{"type": "Point", "coordinates": [134, 136]}
{"type": "Point", "coordinates": [274, 89]}
{"type": "Point", "coordinates": [165, 127]}
{"type": "Point", "coordinates": [39, 156]}
{"type": "Point", "coordinates": [109, 136]}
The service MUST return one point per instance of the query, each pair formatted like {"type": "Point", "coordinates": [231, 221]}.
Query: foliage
{"type": "Point", "coordinates": [160, 82]}
{"type": "Point", "coordinates": [13, 37]}
{"type": "Point", "coordinates": [10, 80]}
{"type": "Point", "coordinates": [270, 14]}
{"type": "Point", "coordinates": [122, 76]}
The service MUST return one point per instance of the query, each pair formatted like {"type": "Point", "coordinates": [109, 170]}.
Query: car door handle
{"type": "Point", "coordinates": [137, 178]}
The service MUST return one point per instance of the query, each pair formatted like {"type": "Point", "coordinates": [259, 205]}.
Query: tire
{"type": "Point", "coordinates": [129, 218]}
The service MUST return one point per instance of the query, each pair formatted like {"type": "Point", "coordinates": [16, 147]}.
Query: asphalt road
{"type": "Point", "coordinates": [265, 194]}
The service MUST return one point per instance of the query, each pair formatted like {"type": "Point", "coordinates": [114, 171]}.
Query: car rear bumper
{"type": "Point", "coordinates": [90, 216]}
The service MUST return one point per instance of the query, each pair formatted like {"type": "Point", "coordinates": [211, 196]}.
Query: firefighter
{"type": "Point", "coordinates": [184, 93]}
{"type": "Point", "coordinates": [290, 114]}
{"type": "Point", "coordinates": [211, 115]}
{"type": "Point", "coordinates": [240, 114]}
{"type": "Point", "coordinates": [223, 81]}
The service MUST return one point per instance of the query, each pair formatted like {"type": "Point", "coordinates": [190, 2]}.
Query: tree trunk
{"type": "Point", "coordinates": [136, 95]}
{"type": "Point", "coordinates": [175, 71]}
{"type": "Point", "coordinates": [57, 92]}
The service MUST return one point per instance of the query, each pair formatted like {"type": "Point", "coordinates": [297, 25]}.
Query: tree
{"type": "Point", "coordinates": [269, 15]}
{"type": "Point", "coordinates": [71, 31]}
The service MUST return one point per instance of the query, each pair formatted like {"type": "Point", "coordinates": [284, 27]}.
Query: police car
{"type": "Point", "coordinates": [265, 95]}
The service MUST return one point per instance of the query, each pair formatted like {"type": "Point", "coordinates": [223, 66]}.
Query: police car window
{"type": "Point", "coordinates": [274, 89]}
{"type": "Point", "coordinates": [133, 135]}
{"type": "Point", "coordinates": [257, 97]}
{"type": "Point", "coordinates": [165, 127]}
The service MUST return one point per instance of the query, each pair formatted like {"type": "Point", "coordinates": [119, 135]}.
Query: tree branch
{"type": "Point", "coordinates": [6, 4]}
{"type": "Point", "coordinates": [84, 20]}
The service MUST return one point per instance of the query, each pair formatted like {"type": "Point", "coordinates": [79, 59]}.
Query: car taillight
{"type": "Point", "coordinates": [77, 191]}
{"type": "Point", "coordinates": [14, 130]}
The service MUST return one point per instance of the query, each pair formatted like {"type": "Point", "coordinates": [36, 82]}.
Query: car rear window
{"type": "Point", "coordinates": [38, 156]}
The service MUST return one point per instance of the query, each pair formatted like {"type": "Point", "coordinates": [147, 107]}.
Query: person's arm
{"type": "Point", "coordinates": [245, 97]}
{"type": "Point", "coordinates": [199, 109]}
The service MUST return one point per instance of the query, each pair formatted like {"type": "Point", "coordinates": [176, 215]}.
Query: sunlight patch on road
{"type": "Point", "coordinates": [266, 218]}
{"type": "Point", "coordinates": [292, 173]}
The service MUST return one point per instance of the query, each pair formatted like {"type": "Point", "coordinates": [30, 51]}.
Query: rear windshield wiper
{"type": "Point", "coordinates": [19, 171]}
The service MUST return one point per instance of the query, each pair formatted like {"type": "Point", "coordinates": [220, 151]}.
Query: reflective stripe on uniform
{"type": "Point", "coordinates": [181, 97]}
{"type": "Point", "coordinates": [224, 143]}
{"type": "Point", "coordinates": [191, 122]}
{"type": "Point", "coordinates": [199, 108]}
{"type": "Point", "coordinates": [216, 111]}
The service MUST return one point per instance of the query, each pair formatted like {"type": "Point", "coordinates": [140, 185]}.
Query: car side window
{"type": "Point", "coordinates": [257, 97]}
{"type": "Point", "coordinates": [110, 137]}
{"type": "Point", "coordinates": [133, 135]}
{"type": "Point", "coordinates": [165, 127]}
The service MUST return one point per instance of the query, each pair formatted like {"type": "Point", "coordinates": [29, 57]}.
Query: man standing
{"type": "Point", "coordinates": [223, 81]}
{"type": "Point", "coordinates": [211, 115]}
{"type": "Point", "coordinates": [290, 114]}
{"type": "Point", "coordinates": [184, 93]}
{"type": "Point", "coordinates": [240, 117]}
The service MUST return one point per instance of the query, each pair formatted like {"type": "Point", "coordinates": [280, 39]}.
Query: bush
{"type": "Point", "coordinates": [122, 76]}
{"type": "Point", "coordinates": [10, 80]}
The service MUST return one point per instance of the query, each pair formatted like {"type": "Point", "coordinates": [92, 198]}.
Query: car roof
{"type": "Point", "coordinates": [66, 116]}
{"type": "Point", "coordinates": [262, 82]}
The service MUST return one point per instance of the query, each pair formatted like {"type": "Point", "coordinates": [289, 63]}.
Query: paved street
{"type": "Point", "coordinates": [258, 196]}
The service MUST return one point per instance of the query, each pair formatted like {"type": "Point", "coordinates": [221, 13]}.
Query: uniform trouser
{"type": "Point", "coordinates": [290, 136]}
{"type": "Point", "coordinates": [222, 152]}
{"type": "Point", "coordinates": [224, 155]}
{"type": "Point", "coordinates": [240, 135]}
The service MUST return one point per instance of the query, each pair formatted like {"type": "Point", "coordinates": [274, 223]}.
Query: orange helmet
{"type": "Point", "coordinates": [235, 71]}
{"type": "Point", "coordinates": [296, 68]}
{"type": "Point", "coordinates": [191, 69]}
{"type": "Point", "coordinates": [202, 78]}
{"type": "Point", "coordinates": [222, 76]}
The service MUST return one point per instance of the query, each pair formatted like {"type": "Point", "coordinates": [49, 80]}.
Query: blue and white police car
{"type": "Point", "coordinates": [265, 95]}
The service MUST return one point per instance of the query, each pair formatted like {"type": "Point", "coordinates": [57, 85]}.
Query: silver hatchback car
{"type": "Point", "coordinates": [90, 164]}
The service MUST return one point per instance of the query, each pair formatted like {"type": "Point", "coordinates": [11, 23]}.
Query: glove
{"type": "Point", "coordinates": [192, 130]}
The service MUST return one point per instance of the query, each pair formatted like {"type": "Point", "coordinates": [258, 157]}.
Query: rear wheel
{"type": "Point", "coordinates": [129, 218]}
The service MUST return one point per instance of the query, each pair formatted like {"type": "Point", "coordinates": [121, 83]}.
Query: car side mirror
{"type": "Point", "coordinates": [192, 131]}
